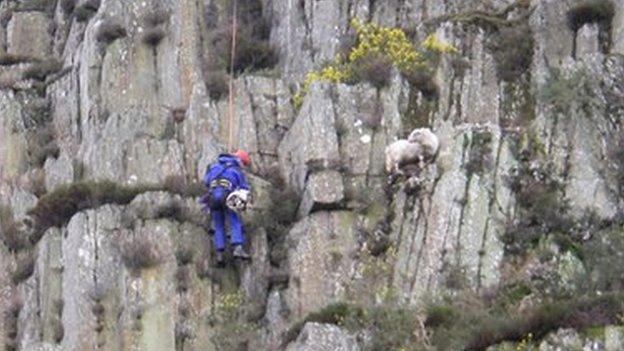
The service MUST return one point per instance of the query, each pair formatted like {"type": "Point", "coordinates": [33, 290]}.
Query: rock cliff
{"type": "Point", "coordinates": [111, 110]}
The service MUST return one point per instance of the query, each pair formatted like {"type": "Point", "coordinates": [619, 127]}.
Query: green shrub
{"type": "Point", "coordinates": [423, 81]}
{"type": "Point", "coordinates": [542, 207]}
{"type": "Point", "coordinates": [12, 237]}
{"type": "Point", "coordinates": [564, 92]}
{"type": "Point", "coordinates": [41, 144]}
{"type": "Point", "coordinates": [12, 59]}
{"type": "Point", "coordinates": [172, 211]}
{"type": "Point", "coordinates": [24, 266]}
{"type": "Point", "coordinates": [590, 11]}
{"type": "Point", "coordinates": [604, 261]}
{"type": "Point", "coordinates": [232, 329]}
{"type": "Point", "coordinates": [512, 48]}
{"type": "Point", "coordinates": [154, 23]}
{"type": "Point", "coordinates": [185, 255]}
{"type": "Point", "coordinates": [153, 36]}
{"type": "Point", "coordinates": [216, 83]}
{"type": "Point", "coordinates": [11, 319]}
{"type": "Point", "coordinates": [110, 31]}
{"type": "Point", "coordinates": [375, 69]}
{"type": "Point", "coordinates": [139, 252]}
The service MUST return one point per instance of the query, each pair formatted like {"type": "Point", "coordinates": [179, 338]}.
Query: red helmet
{"type": "Point", "coordinates": [244, 157]}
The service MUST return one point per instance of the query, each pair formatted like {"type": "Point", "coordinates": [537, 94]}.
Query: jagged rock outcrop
{"type": "Point", "coordinates": [119, 91]}
{"type": "Point", "coordinates": [320, 337]}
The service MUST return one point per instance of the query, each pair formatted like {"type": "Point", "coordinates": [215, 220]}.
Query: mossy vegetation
{"type": "Point", "coordinates": [57, 207]}
{"type": "Point", "coordinates": [41, 144]}
{"type": "Point", "coordinates": [140, 251]}
{"type": "Point", "coordinates": [469, 325]}
{"type": "Point", "coordinates": [109, 31]}
{"type": "Point", "coordinates": [7, 59]}
{"type": "Point", "coordinates": [566, 92]}
{"type": "Point", "coordinates": [541, 205]}
{"type": "Point", "coordinates": [154, 24]}
{"type": "Point", "coordinates": [42, 69]}
{"type": "Point", "coordinates": [231, 320]}
{"type": "Point", "coordinates": [279, 217]}
{"type": "Point", "coordinates": [590, 11]}
{"type": "Point", "coordinates": [24, 266]}
{"type": "Point", "coordinates": [11, 319]}
{"type": "Point", "coordinates": [12, 237]}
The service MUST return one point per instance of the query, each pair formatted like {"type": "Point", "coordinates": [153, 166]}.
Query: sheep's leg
{"type": "Point", "coordinates": [421, 162]}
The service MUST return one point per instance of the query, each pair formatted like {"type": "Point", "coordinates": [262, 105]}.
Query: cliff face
{"type": "Point", "coordinates": [528, 112]}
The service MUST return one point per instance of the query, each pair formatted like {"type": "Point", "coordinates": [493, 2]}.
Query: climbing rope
{"type": "Point", "coordinates": [231, 82]}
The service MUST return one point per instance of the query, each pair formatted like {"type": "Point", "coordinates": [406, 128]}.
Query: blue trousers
{"type": "Point", "coordinates": [236, 227]}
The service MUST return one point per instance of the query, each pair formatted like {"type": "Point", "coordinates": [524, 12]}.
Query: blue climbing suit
{"type": "Point", "coordinates": [221, 179]}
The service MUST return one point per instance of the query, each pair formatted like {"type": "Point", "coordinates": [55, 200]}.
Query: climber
{"type": "Point", "coordinates": [222, 179]}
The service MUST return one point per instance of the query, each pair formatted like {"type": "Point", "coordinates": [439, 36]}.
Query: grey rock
{"type": "Point", "coordinates": [277, 319]}
{"type": "Point", "coordinates": [323, 337]}
{"type": "Point", "coordinates": [587, 40]}
{"type": "Point", "coordinates": [321, 260]}
{"type": "Point", "coordinates": [29, 34]}
{"type": "Point", "coordinates": [91, 269]}
{"type": "Point", "coordinates": [323, 190]}
{"type": "Point", "coordinates": [58, 172]}
{"type": "Point", "coordinates": [563, 339]}
{"type": "Point", "coordinates": [614, 338]}
{"type": "Point", "coordinates": [618, 28]}
{"type": "Point", "coordinates": [312, 138]}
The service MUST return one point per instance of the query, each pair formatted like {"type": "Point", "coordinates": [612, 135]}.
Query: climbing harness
{"type": "Point", "coordinates": [221, 182]}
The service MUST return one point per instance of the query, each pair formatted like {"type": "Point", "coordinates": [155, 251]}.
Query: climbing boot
{"type": "Point", "coordinates": [240, 253]}
{"type": "Point", "coordinates": [220, 259]}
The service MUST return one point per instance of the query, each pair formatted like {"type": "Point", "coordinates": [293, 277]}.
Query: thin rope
{"type": "Point", "coordinates": [231, 92]}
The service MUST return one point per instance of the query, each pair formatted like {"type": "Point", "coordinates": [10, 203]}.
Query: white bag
{"type": "Point", "coordinates": [238, 200]}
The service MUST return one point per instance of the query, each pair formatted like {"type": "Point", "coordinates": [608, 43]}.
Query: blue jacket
{"type": "Point", "coordinates": [227, 167]}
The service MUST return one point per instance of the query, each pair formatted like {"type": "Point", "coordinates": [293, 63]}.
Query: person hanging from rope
{"type": "Point", "coordinates": [228, 193]}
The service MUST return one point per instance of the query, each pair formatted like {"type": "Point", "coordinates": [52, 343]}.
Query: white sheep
{"type": "Point", "coordinates": [428, 141]}
{"type": "Point", "coordinates": [399, 153]}
{"type": "Point", "coordinates": [422, 145]}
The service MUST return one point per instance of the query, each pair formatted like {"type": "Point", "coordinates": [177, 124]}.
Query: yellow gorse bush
{"type": "Point", "coordinates": [432, 43]}
{"type": "Point", "coordinates": [372, 39]}
{"type": "Point", "coordinates": [389, 42]}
